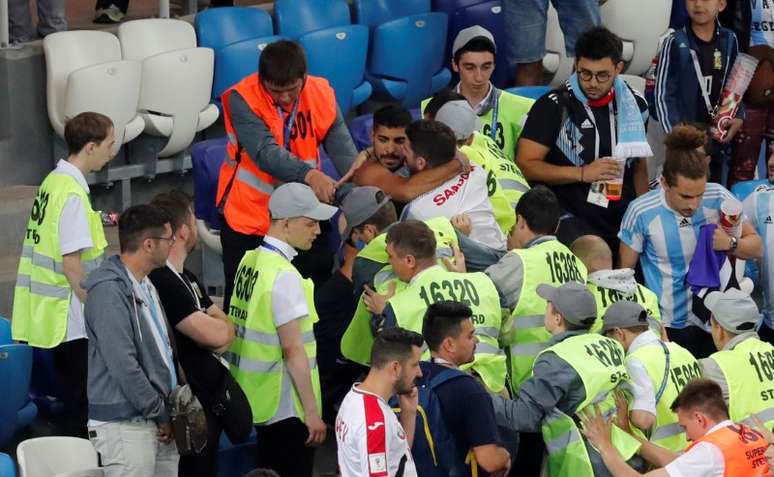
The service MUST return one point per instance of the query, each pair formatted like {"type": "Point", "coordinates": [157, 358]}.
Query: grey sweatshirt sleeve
{"type": "Point", "coordinates": [508, 277]}
{"type": "Point", "coordinates": [339, 146]}
{"type": "Point", "coordinates": [711, 370]}
{"type": "Point", "coordinates": [260, 145]}
{"type": "Point", "coordinates": [114, 340]}
{"type": "Point", "coordinates": [550, 383]}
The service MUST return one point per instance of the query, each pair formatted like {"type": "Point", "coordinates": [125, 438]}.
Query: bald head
{"type": "Point", "coordinates": [593, 252]}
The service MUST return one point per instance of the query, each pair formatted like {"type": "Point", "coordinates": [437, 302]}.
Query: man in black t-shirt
{"type": "Point", "coordinates": [466, 405]}
{"type": "Point", "coordinates": [570, 136]}
{"type": "Point", "coordinates": [200, 327]}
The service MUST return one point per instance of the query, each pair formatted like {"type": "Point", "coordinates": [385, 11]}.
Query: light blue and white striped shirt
{"type": "Point", "coordinates": [759, 210]}
{"type": "Point", "coordinates": [666, 242]}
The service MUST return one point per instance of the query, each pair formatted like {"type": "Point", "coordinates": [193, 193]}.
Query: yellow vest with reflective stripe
{"type": "Point", "coordinates": [508, 175]}
{"type": "Point", "coordinates": [607, 296]}
{"type": "Point", "coordinates": [256, 355]}
{"type": "Point", "coordinates": [358, 339]}
{"type": "Point", "coordinates": [504, 213]}
{"type": "Point", "coordinates": [749, 373]}
{"type": "Point", "coordinates": [599, 362]}
{"type": "Point", "coordinates": [546, 262]}
{"type": "Point", "coordinates": [474, 289]}
{"type": "Point", "coordinates": [682, 368]}
{"type": "Point", "coordinates": [41, 297]}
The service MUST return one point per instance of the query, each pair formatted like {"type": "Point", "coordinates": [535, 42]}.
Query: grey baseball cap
{"type": "Point", "coordinates": [360, 204]}
{"type": "Point", "coordinates": [466, 35]}
{"type": "Point", "coordinates": [733, 309]}
{"type": "Point", "coordinates": [294, 199]}
{"type": "Point", "coordinates": [460, 117]}
{"type": "Point", "coordinates": [624, 314]}
{"type": "Point", "coordinates": [573, 300]}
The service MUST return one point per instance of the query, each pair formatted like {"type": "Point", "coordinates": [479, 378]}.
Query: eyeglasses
{"type": "Point", "coordinates": [171, 239]}
{"type": "Point", "coordinates": [600, 76]}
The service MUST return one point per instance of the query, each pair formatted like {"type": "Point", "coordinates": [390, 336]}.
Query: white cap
{"type": "Point", "coordinates": [466, 35]}
{"type": "Point", "coordinates": [294, 199]}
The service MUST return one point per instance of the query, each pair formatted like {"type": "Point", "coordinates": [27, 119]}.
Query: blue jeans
{"type": "Point", "coordinates": [132, 449]}
{"type": "Point", "coordinates": [51, 18]}
{"type": "Point", "coordinates": [525, 25]}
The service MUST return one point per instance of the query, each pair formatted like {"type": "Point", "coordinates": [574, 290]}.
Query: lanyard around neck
{"type": "Point", "coordinates": [702, 85]}
{"type": "Point", "coordinates": [287, 122]}
{"type": "Point", "coordinates": [276, 250]}
{"type": "Point", "coordinates": [187, 286]}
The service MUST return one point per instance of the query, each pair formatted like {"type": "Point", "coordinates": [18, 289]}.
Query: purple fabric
{"type": "Point", "coordinates": [704, 270]}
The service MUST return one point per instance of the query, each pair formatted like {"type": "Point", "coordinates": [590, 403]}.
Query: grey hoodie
{"type": "Point", "coordinates": [127, 375]}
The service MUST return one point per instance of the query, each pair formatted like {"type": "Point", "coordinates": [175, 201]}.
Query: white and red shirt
{"type": "Point", "coordinates": [465, 193]}
{"type": "Point", "coordinates": [371, 442]}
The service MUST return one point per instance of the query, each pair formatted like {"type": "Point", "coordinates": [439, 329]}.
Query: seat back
{"type": "Point", "coordinates": [375, 12]}
{"type": "Point", "coordinates": [490, 16]}
{"type": "Point", "coordinates": [206, 159]}
{"type": "Point", "coordinates": [235, 61]}
{"type": "Point", "coordinates": [556, 63]}
{"type": "Point", "coordinates": [395, 53]}
{"type": "Point", "coordinates": [345, 69]}
{"type": "Point", "coordinates": [295, 18]}
{"type": "Point", "coordinates": [7, 466]}
{"type": "Point", "coordinates": [49, 456]}
{"type": "Point", "coordinates": [451, 6]}
{"type": "Point", "coordinates": [533, 92]}
{"type": "Point", "coordinates": [15, 372]}
{"type": "Point", "coordinates": [639, 24]}
{"type": "Point", "coordinates": [636, 82]}
{"type": "Point", "coordinates": [141, 39]}
{"type": "Point", "coordinates": [70, 51]}
{"type": "Point", "coordinates": [219, 27]}
{"type": "Point", "coordinates": [5, 331]}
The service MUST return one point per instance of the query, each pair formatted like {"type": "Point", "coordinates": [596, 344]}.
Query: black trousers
{"type": "Point", "coordinates": [71, 364]}
{"type": "Point", "coordinates": [122, 5]}
{"type": "Point", "coordinates": [205, 463]}
{"type": "Point", "coordinates": [529, 459]}
{"type": "Point", "coordinates": [694, 339]}
{"type": "Point", "coordinates": [315, 263]}
{"type": "Point", "coordinates": [281, 448]}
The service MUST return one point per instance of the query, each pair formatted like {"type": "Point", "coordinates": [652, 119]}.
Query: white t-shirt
{"type": "Point", "coordinates": [371, 442]}
{"type": "Point", "coordinates": [288, 303]}
{"type": "Point", "coordinates": [465, 193]}
{"type": "Point", "coordinates": [640, 382]}
{"type": "Point", "coordinates": [703, 460]}
{"type": "Point", "coordinates": [74, 235]}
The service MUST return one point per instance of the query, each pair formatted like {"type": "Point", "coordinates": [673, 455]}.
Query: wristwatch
{"type": "Point", "coordinates": [734, 244]}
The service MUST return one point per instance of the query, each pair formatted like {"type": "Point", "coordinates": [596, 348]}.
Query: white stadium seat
{"type": "Point", "coordinates": [176, 79]}
{"type": "Point", "coordinates": [85, 72]}
{"type": "Point", "coordinates": [640, 25]}
{"type": "Point", "coordinates": [556, 63]}
{"type": "Point", "coordinates": [57, 456]}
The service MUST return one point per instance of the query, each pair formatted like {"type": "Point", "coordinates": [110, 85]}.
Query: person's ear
{"type": "Point", "coordinates": [411, 261]}
{"type": "Point", "coordinates": [421, 163]}
{"type": "Point", "coordinates": [619, 67]}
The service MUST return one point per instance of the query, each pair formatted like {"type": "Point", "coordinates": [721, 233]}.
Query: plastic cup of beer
{"type": "Point", "coordinates": [731, 217]}
{"type": "Point", "coordinates": [614, 187]}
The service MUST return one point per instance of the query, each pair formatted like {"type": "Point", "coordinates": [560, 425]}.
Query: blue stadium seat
{"type": "Point", "coordinates": [295, 18]}
{"type": "Point", "coordinates": [451, 6]}
{"type": "Point", "coordinates": [339, 54]}
{"type": "Point", "coordinates": [16, 409]}
{"type": "Point", "coordinates": [5, 331]}
{"type": "Point", "coordinates": [7, 466]}
{"type": "Point", "coordinates": [533, 92]}
{"type": "Point", "coordinates": [207, 157]}
{"type": "Point", "coordinates": [742, 189]}
{"type": "Point", "coordinates": [401, 71]}
{"type": "Point", "coordinates": [235, 61]}
{"type": "Point", "coordinates": [361, 126]}
{"type": "Point", "coordinates": [236, 459]}
{"type": "Point", "coordinates": [373, 13]}
{"type": "Point", "coordinates": [490, 16]}
{"type": "Point", "coordinates": [219, 27]}
{"type": "Point", "coordinates": [45, 390]}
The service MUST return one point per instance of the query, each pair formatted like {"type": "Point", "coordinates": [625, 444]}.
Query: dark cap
{"type": "Point", "coordinates": [572, 300]}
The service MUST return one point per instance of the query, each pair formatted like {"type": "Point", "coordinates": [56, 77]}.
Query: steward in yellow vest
{"type": "Point", "coordinates": [411, 249]}
{"type": "Point", "coordinates": [658, 370]}
{"type": "Point", "coordinates": [743, 366]}
{"type": "Point", "coordinates": [535, 257]}
{"type": "Point", "coordinates": [578, 370]}
{"type": "Point", "coordinates": [609, 286]}
{"type": "Point", "coordinates": [274, 354]}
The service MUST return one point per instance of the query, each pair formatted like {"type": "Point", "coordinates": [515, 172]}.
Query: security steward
{"type": "Point", "coordinates": [658, 371]}
{"type": "Point", "coordinates": [273, 357]}
{"type": "Point", "coordinates": [411, 249]}
{"type": "Point", "coordinates": [276, 120]}
{"type": "Point", "coordinates": [743, 366]}
{"type": "Point", "coordinates": [577, 370]}
{"type": "Point", "coordinates": [64, 241]}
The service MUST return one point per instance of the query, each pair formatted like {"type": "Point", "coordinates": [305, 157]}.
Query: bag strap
{"type": "Point", "coordinates": [182, 379]}
{"type": "Point", "coordinates": [445, 376]}
{"type": "Point", "coordinates": [221, 205]}
{"type": "Point", "coordinates": [665, 379]}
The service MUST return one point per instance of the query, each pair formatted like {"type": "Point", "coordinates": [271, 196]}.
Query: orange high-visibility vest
{"type": "Point", "coordinates": [244, 189]}
{"type": "Point", "coordinates": [743, 450]}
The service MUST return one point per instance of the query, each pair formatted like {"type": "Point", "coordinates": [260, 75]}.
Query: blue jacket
{"type": "Point", "coordinates": [677, 88]}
